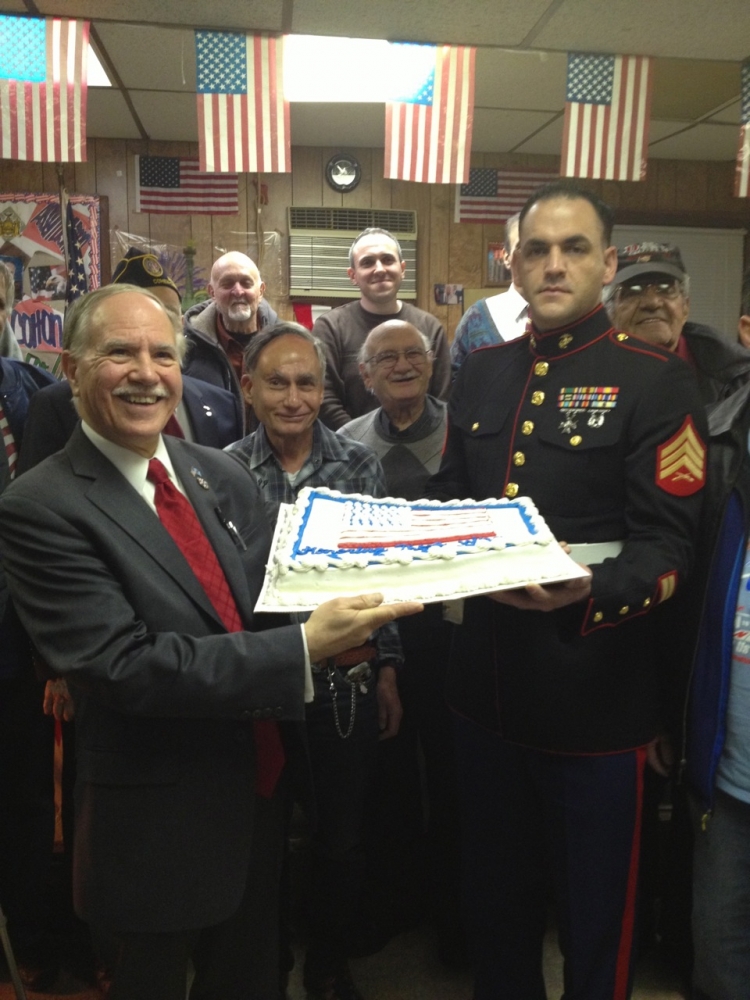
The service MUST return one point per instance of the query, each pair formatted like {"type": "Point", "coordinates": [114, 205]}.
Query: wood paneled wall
{"type": "Point", "coordinates": [675, 193]}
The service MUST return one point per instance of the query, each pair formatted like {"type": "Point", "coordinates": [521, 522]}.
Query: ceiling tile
{"type": "Point", "coordinates": [341, 125]}
{"type": "Point", "coordinates": [108, 116]}
{"type": "Point", "coordinates": [476, 22]}
{"type": "Point", "coordinates": [660, 129]}
{"type": "Point", "coordinates": [167, 116]}
{"type": "Point", "coordinates": [692, 29]}
{"type": "Point", "coordinates": [223, 15]}
{"type": "Point", "coordinates": [687, 89]}
{"type": "Point", "coordinates": [729, 116]}
{"type": "Point", "coordinates": [151, 58]}
{"type": "Point", "coordinates": [704, 142]}
{"type": "Point", "coordinates": [499, 131]}
{"type": "Point", "coordinates": [523, 80]}
{"type": "Point", "coordinates": [548, 141]}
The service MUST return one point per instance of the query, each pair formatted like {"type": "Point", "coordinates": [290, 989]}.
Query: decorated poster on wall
{"type": "Point", "coordinates": [31, 244]}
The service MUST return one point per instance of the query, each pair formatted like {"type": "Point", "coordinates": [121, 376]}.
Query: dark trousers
{"type": "Point", "coordinates": [237, 959]}
{"type": "Point", "coordinates": [342, 775]}
{"type": "Point", "coordinates": [530, 818]}
{"type": "Point", "coordinates": [27, 809]}
{"type": "Point", "coordinates": [721, 910]}
{"type": "Point", "coordinates": [414, 854]}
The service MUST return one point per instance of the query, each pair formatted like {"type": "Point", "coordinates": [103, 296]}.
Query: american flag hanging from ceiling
{"type": "Point", "coordinates": [428, 132]}
{"type": "Point", "coordinates": [43, 89]}
{"type": "Point", "coordinates": [607, 115]}
{"type": "Point", "coordinates": [243, 119]}
{"type": "Point", "coordinates": [742, 172]}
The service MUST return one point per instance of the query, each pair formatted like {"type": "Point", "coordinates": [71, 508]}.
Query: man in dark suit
{"type": "Point", "coordinates": [175, 854]}
{"type": "Point", "coordinates": [206, 414]}
{"type": "Point", "coordinates": [210, 418]}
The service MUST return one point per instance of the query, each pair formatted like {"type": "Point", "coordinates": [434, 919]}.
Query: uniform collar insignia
{"type": "Point", "coordinates": [565, 340]}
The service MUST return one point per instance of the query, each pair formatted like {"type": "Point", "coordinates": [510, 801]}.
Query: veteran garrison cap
{"type": "Point", "coordinates": [649, 258]}
{"type": "Point", "coordinates": [142, 269]}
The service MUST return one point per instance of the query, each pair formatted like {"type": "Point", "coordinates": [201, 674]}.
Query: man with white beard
{"type": "Point", "coordinates": [218, 331]}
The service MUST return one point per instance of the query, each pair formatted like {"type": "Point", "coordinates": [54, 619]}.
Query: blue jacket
{"type": "Point", "coordinates": [727, 525]}
{"type": "Point", "coordinates": [18, 383]}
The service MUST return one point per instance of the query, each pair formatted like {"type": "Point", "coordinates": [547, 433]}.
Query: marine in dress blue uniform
{"type": "Point", "coordinates": [557, 690]}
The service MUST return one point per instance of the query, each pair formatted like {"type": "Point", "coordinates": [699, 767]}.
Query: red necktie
{"type": "Point", "coordinates": [178, 517]}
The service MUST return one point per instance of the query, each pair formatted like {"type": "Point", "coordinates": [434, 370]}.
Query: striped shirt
{"type": "Point", "coordinates": [9, 443]}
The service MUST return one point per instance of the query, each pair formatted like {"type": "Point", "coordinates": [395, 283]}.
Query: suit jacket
{"type": "Point", "coordinates": [215, 417]}
{"type": "Point", "coordinates": [164, 695]}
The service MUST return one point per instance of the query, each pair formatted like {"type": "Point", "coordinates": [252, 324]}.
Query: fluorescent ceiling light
{"type": "Point", "coordinates": [353, 70]}
{"type": "Point", "coordinates": [96, 75]}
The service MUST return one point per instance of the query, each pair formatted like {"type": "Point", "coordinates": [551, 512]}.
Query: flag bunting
{"type": "Point", "coordinates": [170, 185]}
{"type": "Point", "coordinates": [428, 132]}
{"type": "Point", "coordinates": [492, 196]}
{"type": "Point", "coordinates": [43, 89]}
{"type": "Point", "coordinates": [607, 113]}
{"type": "Point", "coordinates": [742, 172]}
{"type": "Point", "coordinates": [243, 119]}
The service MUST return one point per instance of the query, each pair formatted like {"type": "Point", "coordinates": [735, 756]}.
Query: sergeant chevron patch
{"type": "Point", "coordinates": [681, 462]}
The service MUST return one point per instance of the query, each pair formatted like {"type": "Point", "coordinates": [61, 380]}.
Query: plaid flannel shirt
{"type": "Point", "coordinates": [334, 462]}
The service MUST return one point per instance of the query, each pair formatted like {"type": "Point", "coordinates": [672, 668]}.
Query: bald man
{"type": "Point", "coordinates": [218, 331]}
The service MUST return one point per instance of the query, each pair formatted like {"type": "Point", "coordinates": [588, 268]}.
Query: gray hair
{"type": "Point", "coordinates": [8, 279]}
{"type": "Point", "coordinates": [372, 231]}
{"type": "Point", "coordinates": [362, 354]}
{"type": "Point", "coordinates": [285, 328]}
{"type": "Point", "coordinates": [80, 316]}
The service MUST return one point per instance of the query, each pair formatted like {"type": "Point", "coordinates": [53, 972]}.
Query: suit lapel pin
{"type": "Point", "coordinates": [199, 478]}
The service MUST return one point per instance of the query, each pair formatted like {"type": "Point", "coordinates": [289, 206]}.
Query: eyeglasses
{"type": "Point", "coordinates": [416, 357]}
{"type": "Point", "coordinates": [664, 289]}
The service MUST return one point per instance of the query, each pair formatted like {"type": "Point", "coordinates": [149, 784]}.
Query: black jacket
{"type": "Point", "coordinates": [214, 415]}
{"type": "Point", "coordinates": [722, 366]}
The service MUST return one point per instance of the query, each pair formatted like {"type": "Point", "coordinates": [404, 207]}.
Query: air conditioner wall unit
{"type": "Point", "coordinates": [319, 241]}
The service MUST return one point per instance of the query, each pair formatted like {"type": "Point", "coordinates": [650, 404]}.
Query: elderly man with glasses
{"type": "Point", "coordinates": [650, 298]}
{"type": "Point", "coordinates": [413, 859]}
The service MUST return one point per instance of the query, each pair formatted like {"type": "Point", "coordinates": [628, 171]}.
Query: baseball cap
{"type": "Point", "coordinates": [142, 269]}
{"type": "Point", "coordinates": [649, 258]}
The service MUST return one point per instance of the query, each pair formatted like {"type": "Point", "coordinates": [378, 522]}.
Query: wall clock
{"type": "Point", "coordinates": [343, 172]}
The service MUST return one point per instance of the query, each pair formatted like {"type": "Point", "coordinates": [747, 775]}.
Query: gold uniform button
{"type": "Point", "coordinates": [624, 609]}
{"type": "Point", "coordinates": [541, 368]}
{"type": "Point", "coordinates": [511, 490]}
{"type": "Point", "coordinates": [622, 336]}
{"type": "Point", "coordinates": [565, 340]}
{"type": "Point", "coordinates": [537, 398]}
{"type": "Point", "coordinates": [532, 340]}
{"type": "Point", "coordinates": [576, 440]}
{"type": "Point", "coordinates": [647, 603]}
{"type": "Point", "coordinates": [598, 616]}
{"type": "Point", "coordinates": [475, 427]}
{"type": "Point", "coordinates": [519, 458]}
{"type": "Point", "coordinates": [527, 427]}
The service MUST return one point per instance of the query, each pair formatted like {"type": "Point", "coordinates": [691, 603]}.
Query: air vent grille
{"type": "Point", "coordinates": [353, 220]}
{"type": "Point", "coordinates": [319, 241]}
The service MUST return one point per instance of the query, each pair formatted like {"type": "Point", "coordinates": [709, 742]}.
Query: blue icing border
{"type": "Point", "coordinates": [298, 550]}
